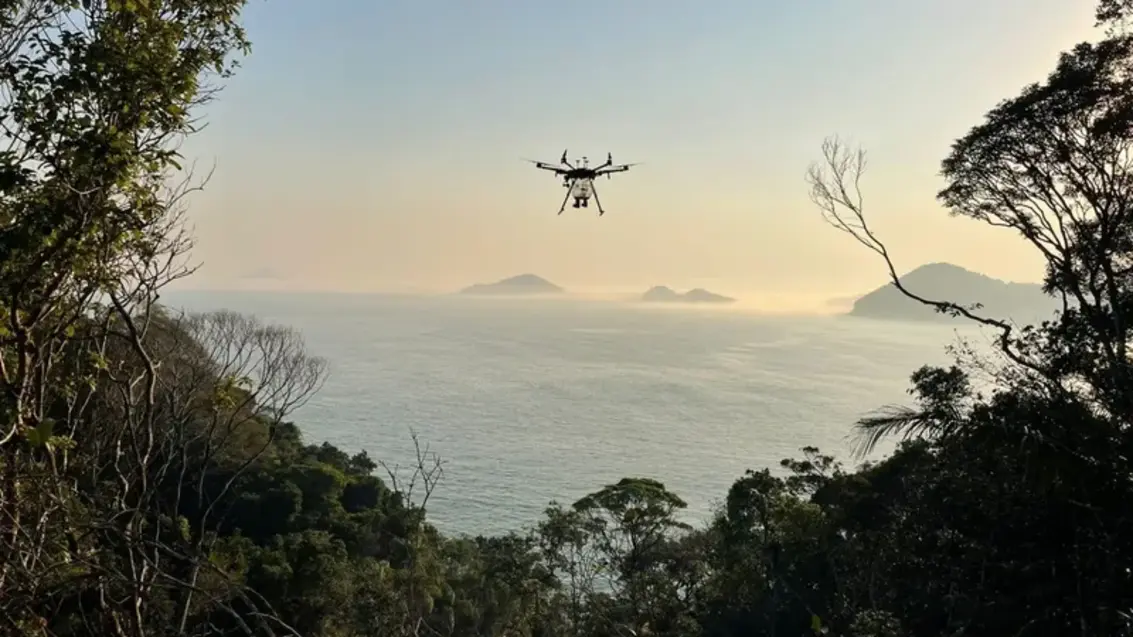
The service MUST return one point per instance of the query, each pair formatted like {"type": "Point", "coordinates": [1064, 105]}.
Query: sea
{"type": "Point", "coordinates": [528, 401]}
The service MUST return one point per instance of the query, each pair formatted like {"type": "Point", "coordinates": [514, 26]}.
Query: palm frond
{"type": "Point", "coordinates": [892, 420]}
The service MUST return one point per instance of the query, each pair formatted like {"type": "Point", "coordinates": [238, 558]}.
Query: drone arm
{"type": "Point", "coordinates": [611, 169]}
{"type": "Point", "coordinates": [545, 166]}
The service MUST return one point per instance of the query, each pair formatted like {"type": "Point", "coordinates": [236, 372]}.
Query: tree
{"type": "Point", "coordinates": [95, 102]}
{"type": "Point", "coordinates": [1048, 444]}
{"type": "Point", "coordinates": [625, 558]}
{"type": "Point", "coordinates": [226, 385]}
{"type": "Point", "coordinates": [1051, 166]}
{"type": "Point", "coordinates": [1113, 13]}
{"type": "Point", "coordinates": [147, 495]}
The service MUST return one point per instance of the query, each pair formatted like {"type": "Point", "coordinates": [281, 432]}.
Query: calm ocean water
{"type": "Point", "coordinates": [533, 400]}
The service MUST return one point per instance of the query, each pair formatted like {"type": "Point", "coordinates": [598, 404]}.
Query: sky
{"type": "Point", "coordinates": [368, 146]}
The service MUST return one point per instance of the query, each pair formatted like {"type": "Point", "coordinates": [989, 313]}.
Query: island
{"type": "Point", "coordinates": [521, 285]}
{"type": "Point", "coordinates": [1023, 302]}
{"type": "Point", "coordinates": [663, 294]}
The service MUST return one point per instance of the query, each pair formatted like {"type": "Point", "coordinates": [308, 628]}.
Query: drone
{"type": "Point", "coordinates": [579, 180]}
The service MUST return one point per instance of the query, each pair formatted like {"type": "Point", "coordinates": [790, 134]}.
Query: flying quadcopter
{"type": "Point", "coordinates": [579, 180]}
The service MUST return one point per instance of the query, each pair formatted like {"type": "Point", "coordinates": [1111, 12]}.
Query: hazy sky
{"type": "Point", "coordinates": [377, 144]}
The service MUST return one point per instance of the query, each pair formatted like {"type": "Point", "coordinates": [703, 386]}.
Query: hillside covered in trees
{"type": "Point", "coordinates": [152, 482]}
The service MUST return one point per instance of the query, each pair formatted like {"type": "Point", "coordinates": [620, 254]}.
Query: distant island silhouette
{"type": "Point", "coordinates": [521, 285]}
{"type": "Point", "coordinates": [663, 294]}
{"type": "Point", "coordinates": [1024, 302]}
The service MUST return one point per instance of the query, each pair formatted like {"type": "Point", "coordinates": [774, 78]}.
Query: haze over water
{"type": "Point", "coordinates": [530, 401]}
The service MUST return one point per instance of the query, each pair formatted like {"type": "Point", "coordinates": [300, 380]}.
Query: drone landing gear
{"type": "Point", "coordinates": [582, 202]}
{"type": "Point", "coordinates": [597, 201]}
{"type": "Point", "coordinates": [563, 206]}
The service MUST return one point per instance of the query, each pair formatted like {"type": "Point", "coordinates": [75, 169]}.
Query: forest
{"type": "Point", "coordinates": [152, 481]}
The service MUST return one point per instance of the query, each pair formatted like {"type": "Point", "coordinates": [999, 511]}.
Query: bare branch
{"type": "Point", "coordinates": [835, 188]}
{"type": "Point", "coordinates": [426, 472]}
